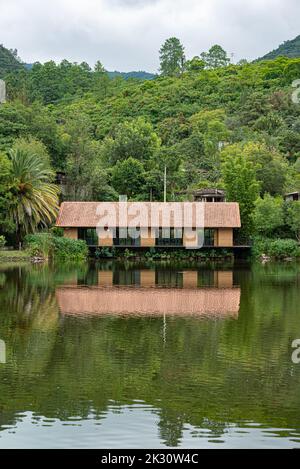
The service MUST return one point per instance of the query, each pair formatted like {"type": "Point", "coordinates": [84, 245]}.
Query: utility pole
{"type": "Point", "coordinates": [165, 185]}
{"type": "Point", "coordinates": [2, 92]}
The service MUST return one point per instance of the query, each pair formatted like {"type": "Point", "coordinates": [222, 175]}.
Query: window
{"type": "Point", "coordinates": [89, 235]}
{"type": "Point", "coordinates": [127, 237]}
{"type": "Point", "coordinates": [209, 237]}
{"type": "Point", "coordinates": [169, 237]}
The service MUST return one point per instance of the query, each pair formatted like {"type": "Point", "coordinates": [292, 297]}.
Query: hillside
{"type": "Point", "coordinates": [116, 136]}
{"type": "Point", "coordinates": [140, 75]}
{"type": "Point", "coordinates": [9, 61]}
{"type": "Point", "coordinates": [289, 49]}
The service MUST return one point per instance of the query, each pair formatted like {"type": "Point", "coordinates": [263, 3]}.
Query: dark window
{"type": "Point", "coordinates": [169, 237]}
{"type": "Point", "coordinates": [89, 235]}
{"type": "Point", "coordinates": [209, 237]}
{"type": "Point", "coordinates": [126, 237]}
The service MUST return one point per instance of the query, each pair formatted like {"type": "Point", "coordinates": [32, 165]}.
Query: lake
{"type": "Point", "coordinates": [128, 355]}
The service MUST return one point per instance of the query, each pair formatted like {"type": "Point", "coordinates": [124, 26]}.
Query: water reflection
{"type": "Point", "coordinates": [77, 378]}
{"type": "Point", "coordinates": [150, 292]}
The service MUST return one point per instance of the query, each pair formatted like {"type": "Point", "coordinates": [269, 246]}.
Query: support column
{"type": "Point", "coordinates": [147, 240]}
{"type": "Point", "coordinates": [106, 238]}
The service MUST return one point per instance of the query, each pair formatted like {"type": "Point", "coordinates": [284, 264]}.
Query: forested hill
{"type": "Point", "coordinates": [180, 120]}
{"type": "Point", "coordinates": [9, 61]}
{"type": "Point", "coordinates": [140, 75]}
{"type": "Point", "coordinates": [287, 49]}
{"type": "Point", "coordinates": [209, 122]}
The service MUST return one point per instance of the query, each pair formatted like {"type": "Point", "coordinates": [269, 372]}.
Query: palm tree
{"type": "Point", "coordinates": [35, 198]}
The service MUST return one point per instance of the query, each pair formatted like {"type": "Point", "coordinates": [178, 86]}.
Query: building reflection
{"type": "Point", "coordinates": [151, 292]}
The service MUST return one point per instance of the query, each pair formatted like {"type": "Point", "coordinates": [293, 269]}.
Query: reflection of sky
{"type": "Point", "coordinates": [136, 427]}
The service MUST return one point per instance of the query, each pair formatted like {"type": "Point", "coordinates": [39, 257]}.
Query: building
{"type": "Point", "coordinates": [209, 195]}
{"type": "Point", "coordinates": [79, 220]}
{"type": "Point", "coordinates": [292, 197]}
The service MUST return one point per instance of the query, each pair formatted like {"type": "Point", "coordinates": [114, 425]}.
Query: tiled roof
{"type": "Point", "coordinates": [84, 214]}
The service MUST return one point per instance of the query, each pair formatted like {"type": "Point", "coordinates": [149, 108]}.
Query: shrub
{"type": "Point", "coordinates": [39, 245]}
{"type": "Point", "coordinates": [104, 252]}
{"type": "Point", "coordinates": [2, 242]}
{"type": "Point", "coordinates": [57, 231]}
{"type": "Point", "coordinates": [277, 248]}
{"type": "Point", "coordinates": [69, 249]}
{"type": "Point", "coordinates": [48, 246]}
{"type": "Point", "coordinates": [281, 248]}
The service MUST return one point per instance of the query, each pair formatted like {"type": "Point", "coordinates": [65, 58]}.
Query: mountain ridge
{"type": "Point", "coordinates": [290, 49]}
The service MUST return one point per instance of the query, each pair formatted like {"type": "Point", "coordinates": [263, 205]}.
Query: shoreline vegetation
{"type": "Point", "coordinates": [44, 247]}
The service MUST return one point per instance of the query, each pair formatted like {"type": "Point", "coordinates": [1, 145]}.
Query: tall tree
{"type": "Point", "coordinates": [172, 58]}
{"type": "Point", "coordinates": [215, 57]}
{"type": "Point", "coordinates": [268, 215]}
{"type": "Point", "coordinates": [293, 218]}
{"type": "Point", "coordinates": [240, 182]}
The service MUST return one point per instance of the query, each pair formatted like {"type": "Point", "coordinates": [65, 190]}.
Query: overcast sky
{"type": "Point", "coordinates": [127, 34]}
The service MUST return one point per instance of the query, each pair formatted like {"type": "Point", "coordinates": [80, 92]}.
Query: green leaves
{"type": "Point", "coordinates": [34, 198]}
{"type": "Point", "coordinates": [172, 58]}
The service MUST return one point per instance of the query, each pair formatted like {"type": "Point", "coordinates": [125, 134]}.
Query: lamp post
{"type": "Point", "coordinates": [165, 184]}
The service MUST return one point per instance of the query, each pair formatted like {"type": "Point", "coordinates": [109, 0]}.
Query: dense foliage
{"type": "Point", "coordinates": [210, 123]}
{"type": "Point", "coordinates": [47, 245]}
{"type": "Point", "coordinates": [9, 61]}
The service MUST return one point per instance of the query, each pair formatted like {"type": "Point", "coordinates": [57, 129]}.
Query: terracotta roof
{"type": "Point", "coordinates": [84, 214]}
{"type": "Point", "coordinates": [148, 301]}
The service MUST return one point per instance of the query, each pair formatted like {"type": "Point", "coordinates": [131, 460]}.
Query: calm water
{"type": "Point", "coordinates": [134, 356]}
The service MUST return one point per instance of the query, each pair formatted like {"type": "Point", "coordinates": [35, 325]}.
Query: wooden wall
{"type": "Point", "coordinates": [224, 237]}
{"type": "Point", "coordinates": [71, 233]}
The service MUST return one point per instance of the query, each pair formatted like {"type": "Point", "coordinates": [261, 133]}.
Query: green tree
{"type": "Point", "coordinates": [128, 177]}
{"type": "Point", "coordinates": [293, 218]}
{"type": "Point", "coordinates": [135, 139]}
{"type": "Point", "coordinates": [268, 215]}
{"type": "Point", "coordinates": [239, 176]}
{"type": "Point", "coordinates": [101, 80]}
{"type": "Point", "coordinates": [31, 145]}
{"type": "Point", "coordinates": [195, 65]}
{"type": "Point", "coordinates": [271, 168]}
{"type": "Point", "coordinates": [172, 58]}
{"type": "Point", "coordinates": [87, 179]}
{"type": "Point", "coordinates": [34, 197]}
{"type": "Point", "coordinates": [216, 57]}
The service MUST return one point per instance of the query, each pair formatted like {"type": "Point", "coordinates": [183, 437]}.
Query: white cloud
{"type": "Point", "coordinates": [127, 34]}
